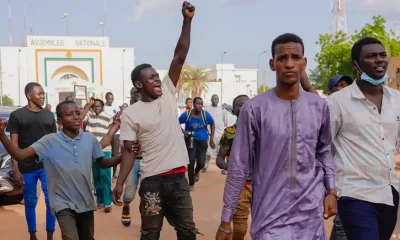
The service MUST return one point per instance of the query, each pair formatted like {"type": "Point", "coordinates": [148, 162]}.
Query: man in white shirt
{"type": "Point", "coordinates": [152, 121]}
{"type": "Point", "coordinates": [112, 110]}
{"type": "Point", "coordinates": [365, 123]}
{"type": "Point", "coordinates": [218, 115]}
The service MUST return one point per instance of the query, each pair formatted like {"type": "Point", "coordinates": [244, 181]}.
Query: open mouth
{"type": "Point", "coordinates": [379, 69]}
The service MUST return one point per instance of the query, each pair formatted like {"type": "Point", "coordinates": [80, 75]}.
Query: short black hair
{"type": "Point", "coordinates": [133, 90]}
{"type": "Point", "coordinates": [357, 47]}
{"type": "Point", "coordinates": [135, 76]}
{"type": "Point", "coordinates": [286, 38]}
{"type": "Point", "coordinates": [214, 95]}
{"type": "Point", "coordinates": [108, 94]}
{"type": "Point", "coordinates": [60, 107]}
{"type": "Point", "coordinates": [187, 99]}
{"type": "Point", "coordinates": [30, 86]}
{"type": "Point", "coordinates": [236, 98]}
{"type": "Point", "coordinates": [197, 98]}
{"type": "Point", "coordinates": [100, 101]}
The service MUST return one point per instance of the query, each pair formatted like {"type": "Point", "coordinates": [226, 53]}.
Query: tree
{"type": "Point", "coordinates": [195, 81]}
{"type": "Point", "coordinates": [7, 101]}
{"type": "Point", "coordinates": [335, 54]}
{"type": "Point", "coordinates": [181, 80]}
{"type": "Point", "coordinates": [261, 89]}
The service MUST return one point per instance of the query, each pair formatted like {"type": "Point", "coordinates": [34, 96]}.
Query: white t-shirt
{"type": "Point", "coordinates": [155, 125]}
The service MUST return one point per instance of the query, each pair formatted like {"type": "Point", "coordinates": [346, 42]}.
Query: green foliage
{"type": "Point", "coordinates": [7, 101]}
{"type": "Point", "coordinates": [194, 80]}
{"type": "Point", "coordinates": [261, 89]}
{"type": "Point", "coordinates": [335, 54]}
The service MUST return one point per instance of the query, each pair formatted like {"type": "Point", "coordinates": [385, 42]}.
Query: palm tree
{"type": "Point", "coordinates": [181, 80]}
{"type": "Point", "coordinates": [195, 81]}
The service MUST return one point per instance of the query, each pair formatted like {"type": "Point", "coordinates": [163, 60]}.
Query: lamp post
{"type": "Point", "coordinates": [19, 79]}
{"type": "Point", "coordinates": [123, 76]}
{"type": "Point", "coordinates": [258, 66]}
{"type": "Point", "coordinates": [222, 73]}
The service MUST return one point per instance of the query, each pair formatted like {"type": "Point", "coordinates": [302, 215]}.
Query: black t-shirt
{"type": "Point", "coordinates": [30, 127]}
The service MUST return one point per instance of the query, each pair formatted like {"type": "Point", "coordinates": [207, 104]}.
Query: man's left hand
{"type": "Point", "coordinates": [330, 206]}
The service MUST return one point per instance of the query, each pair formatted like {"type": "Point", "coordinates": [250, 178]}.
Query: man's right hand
{"type": "Point", "coordinates": [18, 178]}
{"type": "Point", "coordinates": [222, 235]}
{"type": "Point", "coordinates": [116, 194]}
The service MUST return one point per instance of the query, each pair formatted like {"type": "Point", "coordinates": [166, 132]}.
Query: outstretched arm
{"type": "Point", "coordinates": [305, 83]}
{"type": "Point", "coordinates": [109, 162]}
{"type": "Point", "coordinates": [182, 48]}
{"type": "Point", "coordinates": [14, 151]}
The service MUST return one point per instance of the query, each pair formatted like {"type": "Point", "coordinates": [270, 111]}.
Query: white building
{"type": "Point", "coordinates": [227, 82]}
{"type": "Point", "coordinates": [59, 63]}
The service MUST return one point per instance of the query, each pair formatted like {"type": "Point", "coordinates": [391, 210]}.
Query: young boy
{"type": "Point", "coordinates": [68, 157]}
{"type": "Point", "coordinates": [242, 212]}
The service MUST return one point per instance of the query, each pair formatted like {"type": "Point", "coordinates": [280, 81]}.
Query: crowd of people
{"type": "Point", "coordinates": [291, 158]}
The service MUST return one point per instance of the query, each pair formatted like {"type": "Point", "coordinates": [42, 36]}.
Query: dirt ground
{"type": "Point", "coordinates": [207, 201]}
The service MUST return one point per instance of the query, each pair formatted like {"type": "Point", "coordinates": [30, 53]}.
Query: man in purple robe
{"type": "Point", "coordinates": [284, 139]}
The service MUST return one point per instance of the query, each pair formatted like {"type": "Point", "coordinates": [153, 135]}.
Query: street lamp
{"type": "Point", "coordinates": [222, 72]}
{"type": "Point", "coordinates": [19, 79]}
{"type": "Point", "coordinates": [123, 76]}
{"type": "Point", "coordinates": [258, 66]}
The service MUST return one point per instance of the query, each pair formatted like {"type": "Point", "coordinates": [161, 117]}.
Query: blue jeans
{"type": "Point", "coordinates": [31, 200]}
{"type": "Point", "coordinates": [102, 183]}
{"type": "Point", "coordinates": [132, 183]}
{"type": "Point", "coordinates": [368, 221]}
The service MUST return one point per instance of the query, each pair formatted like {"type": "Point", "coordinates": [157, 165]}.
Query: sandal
{"type": "Point", "coordinates": [126, 218]}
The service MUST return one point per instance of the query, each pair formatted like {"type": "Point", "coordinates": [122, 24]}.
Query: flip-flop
{"type": "Point", "coordinates": [126, 220]}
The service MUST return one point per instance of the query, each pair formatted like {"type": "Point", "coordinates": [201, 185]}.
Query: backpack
{"type": "Point", "coordinates": [203, 116]}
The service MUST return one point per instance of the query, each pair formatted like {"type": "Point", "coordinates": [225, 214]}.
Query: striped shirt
{"type": "Point", "coordinates": [98, 125]}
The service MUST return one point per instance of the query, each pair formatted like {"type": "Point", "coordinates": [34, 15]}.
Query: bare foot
{"type": "Point", "coordinates": [33, 236]}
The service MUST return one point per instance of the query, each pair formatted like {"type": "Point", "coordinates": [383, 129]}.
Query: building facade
{"type": "Point", "coordinates": [226, 81]}
{"type": "Point", "coordinates": [60, 63]}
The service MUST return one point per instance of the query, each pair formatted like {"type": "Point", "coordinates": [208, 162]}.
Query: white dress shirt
{"type": "Point", "coordinates": [365, 144]}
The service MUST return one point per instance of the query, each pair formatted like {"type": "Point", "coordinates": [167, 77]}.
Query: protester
{"type": "Point", "coordinates": [365, 127]}
{"type": "Point", "coordinates": [26, 126]}
{"type": "Point", "coordinates": [242, 210]}
{"type": "Point", "coordinates": [336, 84]}
{"type": "Point", "coordinates": [68, 157]}
{"type": "Point", "coordinates": [164, 190]}
{"type": "Point", "coordinates": [98, 122]}
{"type": "Point", "coordinates": [70, 98]}
{"type": "Point", "coordinates": [283, 138]}
{"type": "Point", "coordinates": [124, 106]}
{"type": "Point", "coordinates": [133, 178]}
{"type": "Point", "coordinates": [189, 104]}
{"type": "Point", "coordinates": [48, 107]}
{"type": "Point", "coordinates": [218, 115]}
{"type": "Point", "coordinates": [112, 110]}
{"type": "Point", "coordinates": [196, 138]}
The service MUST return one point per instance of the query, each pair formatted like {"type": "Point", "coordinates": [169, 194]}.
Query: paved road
{"type": "Point", "coordinates": [207, 201]}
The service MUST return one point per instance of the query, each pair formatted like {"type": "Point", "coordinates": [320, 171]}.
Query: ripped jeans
{"type": "Point", "coordinates": [167, 196]}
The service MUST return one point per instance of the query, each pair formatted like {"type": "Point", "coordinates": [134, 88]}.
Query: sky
{"type": "Point", "coordinates": [242, 28]}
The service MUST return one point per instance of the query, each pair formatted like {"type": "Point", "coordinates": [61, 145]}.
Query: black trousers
{"type": "Point", "coordinates": [166, 196]}
{"type": "Point", "coordinates": [197, 154]}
